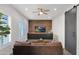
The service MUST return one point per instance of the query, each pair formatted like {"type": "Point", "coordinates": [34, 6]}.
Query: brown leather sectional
{"type": "Point", "coordinates": [39, 47]}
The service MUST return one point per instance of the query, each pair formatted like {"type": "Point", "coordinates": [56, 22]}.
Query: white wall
{"type": "Point", "coordinates": [59, 28]}
{"type": "Point", "coordinates": [15, 19]}
{"type": "Point", "coordinates": [78, 30]}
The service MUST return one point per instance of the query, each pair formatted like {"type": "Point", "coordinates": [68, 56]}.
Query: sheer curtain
{"type": "Point", "coordinates": [22, 30]}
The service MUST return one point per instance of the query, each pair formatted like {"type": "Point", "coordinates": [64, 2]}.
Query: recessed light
{"type": "Point", "coordinates": [55, 9]}
{"type": "Point", "coordinates": [26, 9]}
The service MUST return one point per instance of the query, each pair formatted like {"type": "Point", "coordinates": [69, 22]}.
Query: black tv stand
{"type": "Point", "coordinates": [40, 35]}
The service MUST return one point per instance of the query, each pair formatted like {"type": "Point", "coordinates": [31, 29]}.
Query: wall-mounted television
{"type": "Point", "coordinates": [40, 29]}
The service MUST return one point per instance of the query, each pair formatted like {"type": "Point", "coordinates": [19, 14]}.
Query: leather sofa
{"type": "Point", "coordinates": [38, 48]}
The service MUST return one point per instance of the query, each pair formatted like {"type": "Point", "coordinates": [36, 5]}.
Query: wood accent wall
{"type": "Point", "coordinates": [33, 23]}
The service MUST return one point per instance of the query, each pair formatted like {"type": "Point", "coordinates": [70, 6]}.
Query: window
{"type": "Point", "coordinates": [5, 36]}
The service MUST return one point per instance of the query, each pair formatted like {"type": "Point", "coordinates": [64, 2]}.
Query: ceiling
{"type": "Point", "coordinates": [55, 10]}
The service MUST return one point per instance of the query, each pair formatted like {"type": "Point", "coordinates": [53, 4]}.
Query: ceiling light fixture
{"type": "Point", "coordinates": [41, 13]}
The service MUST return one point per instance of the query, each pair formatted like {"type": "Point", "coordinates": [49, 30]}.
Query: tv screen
{"type": "Point", "coordinates": [40, 28]}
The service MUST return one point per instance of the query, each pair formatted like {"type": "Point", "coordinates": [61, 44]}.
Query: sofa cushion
{"type": "Point", "coordinates": [22, 43]}
{"type": "Point", "coordinates": [39, 42]}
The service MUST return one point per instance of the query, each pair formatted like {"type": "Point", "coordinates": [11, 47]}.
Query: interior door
{"type": "Point", "coordinates": [70, 30]}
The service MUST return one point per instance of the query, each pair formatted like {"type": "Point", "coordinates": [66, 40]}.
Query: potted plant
{"type": "Point", "coordinates": [4, 30]}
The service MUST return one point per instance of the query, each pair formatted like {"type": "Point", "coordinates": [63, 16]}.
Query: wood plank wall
{"type": "Point", "coordinates": [33, 23]}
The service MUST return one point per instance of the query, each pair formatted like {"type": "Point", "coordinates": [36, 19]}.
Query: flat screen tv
{"type": "Point", "coordinates": [40, 29]}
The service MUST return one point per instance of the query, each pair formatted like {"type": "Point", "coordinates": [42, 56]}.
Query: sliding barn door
{"type": "Point", "coordinates": [70, 30]}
